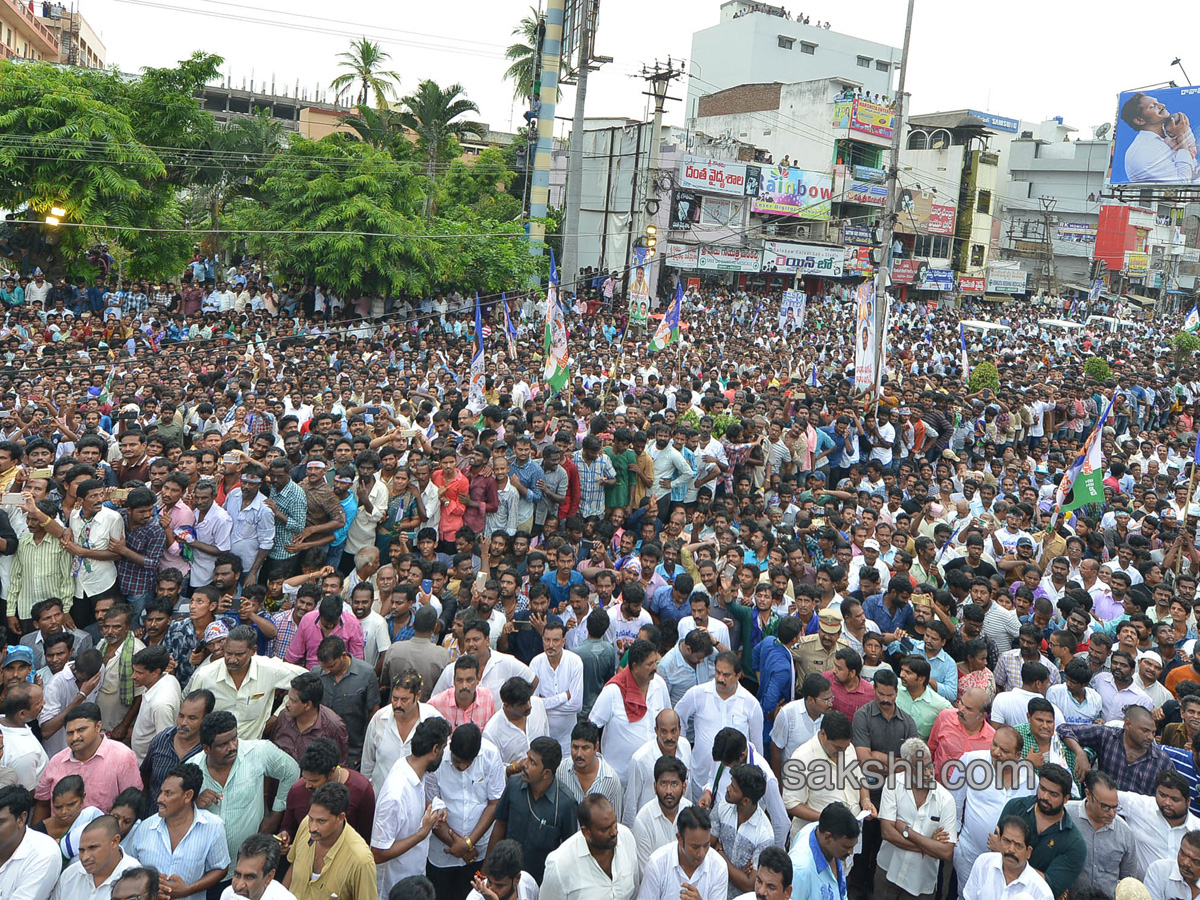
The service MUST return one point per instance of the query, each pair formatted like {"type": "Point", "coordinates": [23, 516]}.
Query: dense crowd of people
{"type": "Point", "coordinates": [285, 618]}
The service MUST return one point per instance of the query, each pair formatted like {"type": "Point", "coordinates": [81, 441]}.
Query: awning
{"type": "Point", "coordinates": [996, 298]}
{"type": "Point", "coordinates": [1140, 300]}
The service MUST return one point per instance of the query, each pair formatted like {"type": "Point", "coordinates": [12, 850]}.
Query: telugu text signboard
{"type": "Point", "coordinates": [924, 212]}
{"type": "Point", "coordinates": [803, 259]}
{"type": "Point", "coordinates": [718, 175]}
{"type": "Point", "coordinates": [730, 259]}
{"type": "Point", "coordinates": [1006, 281]}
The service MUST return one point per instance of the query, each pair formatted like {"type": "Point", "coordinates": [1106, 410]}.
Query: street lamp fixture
{"type": "Point", "coordinates": [56, 215]}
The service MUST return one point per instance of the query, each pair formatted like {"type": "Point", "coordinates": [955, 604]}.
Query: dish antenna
{"type": "Point", "coordinates": [1101, 130]}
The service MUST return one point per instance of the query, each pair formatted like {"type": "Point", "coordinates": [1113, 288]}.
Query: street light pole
{"type": "Point", "coordinates": [893, 198]}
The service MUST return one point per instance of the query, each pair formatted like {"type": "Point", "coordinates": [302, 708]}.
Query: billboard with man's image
{"type": "Point", "coordinates": [1155, 140]}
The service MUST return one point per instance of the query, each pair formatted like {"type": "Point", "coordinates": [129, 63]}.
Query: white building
{"type": "Point", "coordinates": [757, 43]}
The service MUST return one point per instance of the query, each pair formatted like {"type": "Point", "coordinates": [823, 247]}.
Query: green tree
{"type": "Point", "coordinates": [364, 63]}
{"type": "Point", "coordinates": [1096, 368]}
{"type": "Point", "coordinates": [382, 129]}
{"type": "Point", "coordinates": [984, 375]}
{"type": "Point", "coordinates": [524, 57]}
{"type": "Point", "coordinates": [110, 150]}
{"type": "Point", "coordinates": [365, 207]}
{"type": "Point", "coordinates": [434, 113]}
{"type": "Point", "coordinates": [1185, 346]}
{"type": "Point", "coordinates": [479, 188]}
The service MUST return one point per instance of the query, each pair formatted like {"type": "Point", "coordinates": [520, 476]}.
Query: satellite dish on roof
{"type": "Point", "coordinates": [1101, 130]}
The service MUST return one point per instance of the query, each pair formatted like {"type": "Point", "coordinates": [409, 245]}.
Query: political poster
{"type": "Point", "coordinates": [864, 338]}
{"type": "Point", "coordinates": [792, 311]}
{"type": "Point", "coordinates": [721, 212]}
{"type": "Point", "coordinates": [787, 191]}
{"type": "Point", "coordinates": [639, 289]}
{"type": "Point", "coordinates": [1155, 140]}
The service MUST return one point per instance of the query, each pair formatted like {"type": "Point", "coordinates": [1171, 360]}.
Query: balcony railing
{"type": "Point", "coordinates": [34, 23]}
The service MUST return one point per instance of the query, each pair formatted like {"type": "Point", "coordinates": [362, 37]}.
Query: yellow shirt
{"type": "Point", "coordinates": [349, 870]}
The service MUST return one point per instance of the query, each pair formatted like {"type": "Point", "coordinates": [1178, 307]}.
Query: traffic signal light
{"type": "Point", "coordinates": [651, 241]}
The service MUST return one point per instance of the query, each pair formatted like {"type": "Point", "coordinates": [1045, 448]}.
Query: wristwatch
{"type": "Point", "coordinates": [906, 832]}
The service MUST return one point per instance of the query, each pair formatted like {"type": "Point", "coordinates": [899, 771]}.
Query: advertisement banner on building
{"type": "Point", "coordinates": [858, 262]}
{"type": "Point", "coordinates": [864, 117]}
{"type": "Point", "coordinates": [792, 310]}
{"type": "Point", "coordinates": [1136, 263]}
{"type": "Point", "coordinates": [730, 259]}
{"type": "Point", "coordinates": [1155, 142]}
{"type": "Point", "coordinates": [788, 191]}
{"type": "Point", "coordinates": [937, 280]}
{"type": "Point", "coordinates": [721, 212]}
{"type": "Point", "coordinates": [803, 259]}
{"type": "Point", "coordinates": [685, 210]}
{"type": "Point", "coordinates": [866, 194]}
{"type": "Point", "coordinates": [996, 123]}
{"type": "Point", "coordinates": [857, 234]}
{"type": "Point", "coordinates": [681, 256]}
{"type": "Point", "coordinates": [1006, 281]}
{"type": "Point", "coordinates": [924, 212]}
{"type": "Point", "coordinates": [1077, 233]}
{"type": "Point", "coordinates": [971, 284]}
{"type": "Point", "coordinates": [909, 271]}
{"type": "Point", "coordinates": [857, 184]}
{"type": "Point", "coordinates": [717, 175]}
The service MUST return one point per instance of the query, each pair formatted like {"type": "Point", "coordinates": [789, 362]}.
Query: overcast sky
{"type": "Point", "coordinates": [1021, 59]}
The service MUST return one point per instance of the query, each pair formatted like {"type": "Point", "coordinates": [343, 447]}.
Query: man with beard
{"type": "Point", "coordinates": [1158, 821]}
{"type": "Point", "coordinates": [599, 860]}
{"type": "Point", "coordinates": [1008, 869]}
{"type": "Point", "coordinates": [640, 780]}
{"type": "Point", "coordinates": [654, 823]}
{"type": "Point", "coordinates": [1058, 850]}
{"type": "Point", "coordinates": [403, 820]}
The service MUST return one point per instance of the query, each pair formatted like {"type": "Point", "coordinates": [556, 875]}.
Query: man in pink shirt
{"type": "Point", "coordinates": [332, 616]}
{"type": "Point", "coordinates": [955, 731]}
{"type": "Point", "coordinates": [107, 767]}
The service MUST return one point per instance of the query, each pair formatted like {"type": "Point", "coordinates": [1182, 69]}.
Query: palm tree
{"type": "Point", "coordinates": [524, 56]}
{"type": "Point", "coordinates": [363, 62]}
{"type": "Point", "coordinates": [381, 128]}
{"type": "Point", "coordinates": [433, 113]}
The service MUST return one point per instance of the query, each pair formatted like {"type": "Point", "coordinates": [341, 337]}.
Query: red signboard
{"type": "Point", "coordinates": [969, 284]}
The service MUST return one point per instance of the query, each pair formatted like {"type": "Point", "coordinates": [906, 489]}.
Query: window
{"type": "Point", "coordinates": [882, 65]}
{"type": "Point", "coordinates": [806, 47]}
{"type": "Point", "coordinates": [785, 42]}
{"type": "Point", "coordinates": [864, 62]}
{"type": "Point", "coordinates": [977, 255]}
{"type": "Point", "coordinates": [931, 246]}
{"type": "Point", "coordinates": [984, 205]}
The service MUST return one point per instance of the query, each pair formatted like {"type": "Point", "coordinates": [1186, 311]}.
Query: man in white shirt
{"type": "Point", "coordinates": [520, 719]}
{"type": "Point", "coordinates": [689, 861]}
{"type": "Point", "coordinates": [403, 821]}
{"type": "Point", "coordinates": [1163, 149]}
{"type": "Point", "coordinates": [1158, 822]}
{"type": "Point", "coordinates": [100, 863]}
{"type": "Point", "coordinates": [470, 782]}
{"type": "Point", "coordinates": [160, 700]}
{"type": "Point", "coordinates": [640, 781]}
{"type": "Point", "coordinates": [600, 860]}
{"type": "Point", "coordinates": [798, 722]}
{"type": "Point", "coordinates": [654, 824]}
{"type": "Point", "coordinates": [622, 735]}
{"type": "Point", "coordinates": [559, 674]}
{"type": "Point", "coordinates": [919, 824]}
{"type": "Point", "coordinates": [1179, 878]}
{"type": "Point", "coordinates": [35, 862]}
{"type": "Point", "coordinates": [1007, 875]}
{"type": "Point", "coordinates": [254, 872]}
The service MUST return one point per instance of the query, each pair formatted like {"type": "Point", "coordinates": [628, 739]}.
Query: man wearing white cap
{"type": "Point", "coordinates": [869, 558]}
{"type": "Point", "coordinates": [1149, 667]}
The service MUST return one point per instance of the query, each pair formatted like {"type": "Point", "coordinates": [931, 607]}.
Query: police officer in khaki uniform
{"type": "Point", "coordinates": [814, 653]}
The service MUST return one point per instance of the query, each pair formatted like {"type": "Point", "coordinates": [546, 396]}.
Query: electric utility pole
{"type": "Point", "coordinates": [893, 199]}
{"type": "Point", "coordinates": [659, 80]}
{"type": "Point", "coordinates": [574, 191]}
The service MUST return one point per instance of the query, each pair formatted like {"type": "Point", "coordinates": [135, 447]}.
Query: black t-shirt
{"type": "Point", "coordinates": [984, 570]}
